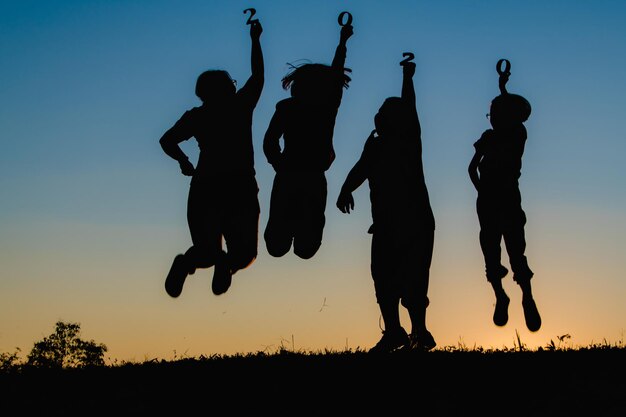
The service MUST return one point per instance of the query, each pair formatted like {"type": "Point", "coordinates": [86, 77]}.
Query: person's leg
{"type": "Point", "coordinates": [515, 240]}
{"type": "Point", "coordinates": [278, 233]}
{"type": "Point", "coordinates": [204, 219]}
{"type": "Point", "coordinates": [490, 241]}
{"type": "Point", "coordinates": [205, 236]}
{"type": "Point", "coordinates": [241, 236]}
{"type": "Point", "coordinates": [490, 237]}
{"type": "Point", "coordinates": [416, 277]}
{"type": "Point", "coordinates": [309, 227]}
{"type": "Point", "coordinates": [383, 270]}
{"type": "Point", "coordinates": [241, 229]}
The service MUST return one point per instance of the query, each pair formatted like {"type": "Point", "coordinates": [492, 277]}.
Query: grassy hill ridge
{"type": "Point", "coordinates": [551, 383]}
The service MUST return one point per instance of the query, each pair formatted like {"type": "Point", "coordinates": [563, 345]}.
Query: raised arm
{"type": "Point", "coordinates": [502, 80]}
{"type": "Point", "coordinates": [339, 60]}
{"type": "Point", "coordinates": [408, 89]}
{"type": "Point", "coordinates": [254, 85]}
{"type": "Point", "coordinates": [408, 96]}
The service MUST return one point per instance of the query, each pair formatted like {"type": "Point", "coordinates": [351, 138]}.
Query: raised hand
{"type": "Point", "coordinates": [346, 32]}
{"type": "Point", "coordinates": [504, 73]}
{"type": "Point", "coordinates": [408, 68]}
{"type": "Point", "coordinates": [255, 29]}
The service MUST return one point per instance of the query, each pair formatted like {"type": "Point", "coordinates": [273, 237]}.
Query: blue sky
{"type": "Point", "coordinates": [92, 212]}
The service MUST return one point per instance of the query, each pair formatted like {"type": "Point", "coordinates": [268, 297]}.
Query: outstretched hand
{"type": "Point", "coordinates": [408, 68]}
{"type": "Point", "coordinates": [186, 168]}
{"type": "Point", "coordinates": [255, 29]}
{"type": "Point", "coordinates": [345, 202]}
{"type": "Point", "coordinates": [346, 32]}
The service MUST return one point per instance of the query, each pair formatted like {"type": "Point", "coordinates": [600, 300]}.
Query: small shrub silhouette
{"type": "Point", "coordinates": [65, 349]}
{"type": "Point", "coordinates": [9, 360]}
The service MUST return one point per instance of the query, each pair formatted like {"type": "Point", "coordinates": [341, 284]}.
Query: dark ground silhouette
{"type": "Point", "coordinates": [436, 383]}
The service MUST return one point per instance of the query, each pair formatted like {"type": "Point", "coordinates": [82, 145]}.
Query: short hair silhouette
{"type": "Point", "coordinates": [215, 83]}
{"type": "Point", "coordinates": [511, 108]}
{"type": "Point", "coordinates": [393, 117]}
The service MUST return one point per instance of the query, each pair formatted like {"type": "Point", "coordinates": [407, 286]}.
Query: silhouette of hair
{"type": "Point", "coordinates": [215, 83]}
{"type": "Point", "coordinates": [392, 117]}
{"type": "Point", "coordinates": [313, 77]}
{"type": "Point", "coordinates": [512, 106]}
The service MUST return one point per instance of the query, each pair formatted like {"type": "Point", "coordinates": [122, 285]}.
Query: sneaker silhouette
{"type": "Point", "coordinates": [501, 312]}
{"type": "Point", "coordinates": [176, 277]}
{"type": "Point", "coordinates": [531, 315]}
{"type": "Point", "coordinates": [391, 341]}
{"type": "Point", "coordinates": [222, 278]}
{"type": "Point", "coordinates": [421, 341]}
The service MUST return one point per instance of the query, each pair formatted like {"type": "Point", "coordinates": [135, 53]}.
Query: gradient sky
{"type": "Point", "coordinates": [92, 212]}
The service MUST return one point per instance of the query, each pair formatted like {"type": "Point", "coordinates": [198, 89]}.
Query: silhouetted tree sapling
{"type": "Point", "coordinates": [65, 349]}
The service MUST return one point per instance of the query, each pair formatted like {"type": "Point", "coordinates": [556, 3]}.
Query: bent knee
{"type": "Point", "coordinates": [277, 247]}
{"type": "Point", "coordinates": [242, 261]}
{"type": "Point", "coordinates": [306, 251]}
{"type": "Point", "coordinates": [198, 257]}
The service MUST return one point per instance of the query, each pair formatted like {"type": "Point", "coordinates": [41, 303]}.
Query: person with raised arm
{"type": "Point", "coordinates": [403, 222]}
{"type": "Point", "coordinates": [495, 170]}
{"type": "Point", "coordinates": [305, 121]}
{"type": "Point", "coordinates": [222, 205]}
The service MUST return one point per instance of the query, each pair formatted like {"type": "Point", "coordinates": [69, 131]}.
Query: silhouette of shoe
{"type": "Point", "coordinates": [222, 278]}
{"type": "Point", "coordinates": [391, 341]}
{"type": "Point", "coordinates": [421, 341]}
{"type": "Point", "coordinates": [176, 277]}
{"type": "Point", "coordinates": [501, 312]}
{"type": "Point", "coordinates": [531, 315]}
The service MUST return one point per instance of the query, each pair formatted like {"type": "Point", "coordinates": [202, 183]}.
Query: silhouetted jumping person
{"type": "Point", "coordinates": [306, 122]}
{"type": "Point", "coordinates": [495, 170]}
{"type": "Point", "coordinates": [403, 223]}
{"type": "Point", "coordinates": [223, 196]}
